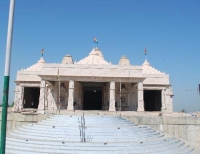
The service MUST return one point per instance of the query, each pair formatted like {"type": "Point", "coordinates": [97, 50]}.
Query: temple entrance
{"type": "Point", "coordinates": [152, 100]}
{"type": "Point", "coordinates": [31, 97]}
{"type": "Point", "coordinates": [92, 97]}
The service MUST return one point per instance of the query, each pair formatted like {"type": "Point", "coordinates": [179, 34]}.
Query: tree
{"type": "Point", "coordinates": [183, 110]}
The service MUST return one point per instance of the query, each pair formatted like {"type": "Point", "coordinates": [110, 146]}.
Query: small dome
{"type": "Point", "coordinates": [67, 59]}
{"type": "Point", "coordinates": [124, 61]}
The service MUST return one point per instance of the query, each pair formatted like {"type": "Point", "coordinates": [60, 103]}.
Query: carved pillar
{"type": "Point", "coordinates": [112, 96]}
{"type": "Point", "coordinates": [19, 95]}
{"type": "Point", "coordinates": [163, 100]}
{"type": "Point", "coordinates": [168, 99]}
{"type": "Point", "coordinates": [42, 96]}
{"type": "Point", "coordinates": [140, 97]}
{"type": "Point", "coordinates": [71, 95]}
{"type": "Point", "coordinates": [50, 99]}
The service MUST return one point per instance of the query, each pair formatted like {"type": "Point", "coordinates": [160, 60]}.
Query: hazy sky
{"type": "Point", "coordinates": [169, 29]}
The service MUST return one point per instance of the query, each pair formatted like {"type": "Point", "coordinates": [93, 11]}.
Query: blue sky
{"type": "Point", "coordinates": [170, 30]}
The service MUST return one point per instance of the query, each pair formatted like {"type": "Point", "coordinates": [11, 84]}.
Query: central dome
{"type": "Point", "coordinates": [95, 57]}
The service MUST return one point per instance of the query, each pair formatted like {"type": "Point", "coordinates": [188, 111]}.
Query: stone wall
{"type": "Point", "coordinates": [130, 92]}
{"type": "Point", "coordinates": [186, 128]}
{"type": "Point", "coordinates": [15, 120]}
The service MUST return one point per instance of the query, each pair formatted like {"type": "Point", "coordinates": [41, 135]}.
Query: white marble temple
{"type": "Point", "coordinates": [142, 86]}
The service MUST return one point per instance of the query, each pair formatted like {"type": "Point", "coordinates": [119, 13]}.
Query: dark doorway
{"type": "Point", "coordinates": [31, 97]}
{"type": "Point", "coordinates": [152, 100]}
{"type": "Point", "coordinates": [92, 98]}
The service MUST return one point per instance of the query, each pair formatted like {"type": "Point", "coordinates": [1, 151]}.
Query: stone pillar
{"type": "Point", "coordinates": [50, 99]}
{"type": "Point", "coordinates": [112, 96]}
{"type": "Point", "coordinates": [168, 100]}
{"type": "Point", "coordinates": [71, 95]}
{"type": "Point", "coordinates": [140, 97]}
{"type": "Point", "coordinates": [18, 102]}
{"type": "Point", "coordinates": [42, 97]}
{"type": "Point", "coordinates": [163, 100]}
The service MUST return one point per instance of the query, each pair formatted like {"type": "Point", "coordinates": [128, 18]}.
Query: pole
{"type": "Point", "coordinates": [7, 77]}
{"type": "Point", "coordinates": [197, 101]}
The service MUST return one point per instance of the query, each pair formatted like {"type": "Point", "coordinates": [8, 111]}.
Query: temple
{"type": "Point", "coordinates": [92, 84]}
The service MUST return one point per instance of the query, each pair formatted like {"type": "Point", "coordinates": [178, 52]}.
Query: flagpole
{"type": "Point", "coordinates": [145, 52]}
{"type": "Point", "coordinates": [7, 77]}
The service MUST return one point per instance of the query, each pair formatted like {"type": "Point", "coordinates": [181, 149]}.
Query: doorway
{"type": "Point", "coordinates": [31, 97]}
{"type": "Point", "coordinates": [152, 100]}
{"type": "Point", "coordinates": [92, 98]}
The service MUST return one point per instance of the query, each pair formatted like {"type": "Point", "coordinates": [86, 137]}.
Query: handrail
{"type": "Point", "coordinates": [82, 128]}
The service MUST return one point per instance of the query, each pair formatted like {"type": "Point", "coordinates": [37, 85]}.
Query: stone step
{"type": "Point", "coordinates": [79, 144]}
{"type": "Point", "coordinates": [65, 146]}
{"type": "Point", "coordinates": [176, 148]}
{"type": "Point", "coordinates": [87, 125]}
{"type": "Point", "coordinates": [93, 138]}
{"type": "Point", "coordinates": [67, 132]}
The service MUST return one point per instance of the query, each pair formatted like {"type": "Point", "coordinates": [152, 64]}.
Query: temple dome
{"type": "Point", "coordinates": [95, 57]}
{"type": "Point", "coordinates": [67, 59]}
{"type": "Point", "coordinates": [148, 69]}
{"type": "Point", "coordinates": [37, 66]}
{"type": "Point", "coordinates": [124, 61]}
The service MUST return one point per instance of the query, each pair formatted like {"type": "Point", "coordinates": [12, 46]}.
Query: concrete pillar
{"type": "Point", "coordinates": [112, 96]}
{"type": "Point", "coordinates": [42, 97]}
{"type": "Point", "coordinates": [71, 95]}
{"type": "Point", "coordinates": [140, 97]}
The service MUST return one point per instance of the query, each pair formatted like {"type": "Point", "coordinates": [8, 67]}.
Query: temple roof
{"type": "Point", "coordinates": [37, 66]}
{"type": "Point", "coordinates": [148, 69]}
{"type": "Point", "coordinates": [95, 57]}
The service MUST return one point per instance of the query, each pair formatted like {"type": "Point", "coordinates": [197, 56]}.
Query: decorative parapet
{"type": "Point", "coordinates": [148, 69]}
{"type": "Point", "coordinates": [36, 67]}
{"type": "Point", "coordinates": [58, 65]}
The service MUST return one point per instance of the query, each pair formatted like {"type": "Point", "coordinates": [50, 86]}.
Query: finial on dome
{"type": "Point", "coordinates": [41, 60]}
{"type": "Point", "coordinates": [146, 63]}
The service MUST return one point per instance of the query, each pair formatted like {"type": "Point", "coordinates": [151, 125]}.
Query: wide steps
{"type": "Point", "coordinates": [60, 134]}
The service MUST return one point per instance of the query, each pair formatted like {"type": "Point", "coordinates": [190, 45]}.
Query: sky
{"type": "Point", "coordinates": [170, 31]}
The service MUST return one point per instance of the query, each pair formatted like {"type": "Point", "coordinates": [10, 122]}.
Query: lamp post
{"type": "Point", "coordinates": [7, 77]}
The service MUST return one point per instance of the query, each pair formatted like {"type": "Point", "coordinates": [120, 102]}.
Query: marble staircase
{"type": "Point", "coordinates": [107, 134]}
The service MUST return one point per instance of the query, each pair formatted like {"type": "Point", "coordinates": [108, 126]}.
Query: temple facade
{"type": "Point", "coordinates": [92, 84]}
